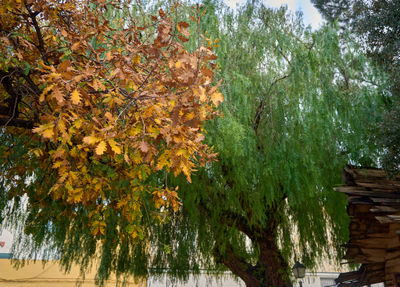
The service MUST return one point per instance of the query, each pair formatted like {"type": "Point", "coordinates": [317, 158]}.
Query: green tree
{"type": "Point", "coordinates": [297, 106]}
{"type": "Point", "coordinates": [375, 25]}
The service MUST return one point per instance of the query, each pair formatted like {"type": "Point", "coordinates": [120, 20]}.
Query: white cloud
{"type": "Point", "coordinates": [292, 5]}
{"type": "Point", "coordinates": [310, 13]}
{"type": "Point", "coordinates": [233, 3]}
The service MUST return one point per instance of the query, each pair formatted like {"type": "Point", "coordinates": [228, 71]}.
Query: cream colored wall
{"type": "Point", "coordinates": [50, 275]}
{"type": "Point", "coordinates": [34, 274]}
{"type": "Point", "coordinates": [228, 280]}
{"type": "Point", "coordinates": [202, 280]}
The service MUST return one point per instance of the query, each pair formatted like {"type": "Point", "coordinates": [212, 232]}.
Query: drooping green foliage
{"type": "Point", "coordinates": [375, 25]}
{"type": "Point", "coordinates": [298, 105]}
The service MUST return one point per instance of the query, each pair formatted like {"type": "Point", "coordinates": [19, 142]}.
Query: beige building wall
{"type": "Point", "coordinates": [50, 275]}
{"type": "Point", "coordinates": [36, 274]}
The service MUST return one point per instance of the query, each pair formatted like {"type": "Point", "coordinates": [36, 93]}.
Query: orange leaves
{"type": "Point", "coordinates": [45, 130]}
{"type": "Point", "coordinates": [114, 146]}
{"type": "Point", "coordinates": [75, 97]}
{"type": "Point", "coordinates": [167, 198]}
{"type": "Point", "coordinates": [90, 140]}
{"type": "Point", "coordinates": [101, 148]}
{"type": "Point", "coordinates": [217, 98]}
{"type": "Point", "coordinates": [111, 108]}
{"type": "Point", "coordinates": [98, 227]}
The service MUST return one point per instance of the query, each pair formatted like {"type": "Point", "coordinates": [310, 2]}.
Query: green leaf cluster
{"type": "Point", "coordinates": [298, 107]}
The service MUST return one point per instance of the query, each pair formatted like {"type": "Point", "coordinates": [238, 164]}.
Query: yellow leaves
{"type": "Point", "coordinates": [98, 227]}
{"type": "Point", "coordinates": [75, 97]}
{"type": "Point", "coordinates": [114, 146]}
{"type": "Point", "coordinates": [45, 91]}
{"type": "Point", "coordinates": [137, 158]}
{"type": "Point", "coordinates": [90, 140]}
{"type": "Point", "coordinates": [101, 148]}
{"type": "Point", "coordinates": [217, 98]}
{"type": "Point", "coordinates": [48, 133]}
{"type": "Point", "coordinates": [153, 131]}
{"type": "Point", "coordinates": [186, 171]}
{"type": "Point", "coordinates": [167, 198]}
{"type": "Point", "coordinates": [126, 158]}
{"type": "Point", "coordinates": [136, 59]}
{"type": "Point", "coordinates": [75, 46]}
{"type": "Point", "coordinates": [163, 161]}
{"type": "Point", "coordinates": [200, 92]}
{"type": "Point", "coordinates": [37, 151]}
{"type": "Point", "coordinates": [42, 64]}
{"type": "Point", "coordinates": [108, 118]}
{"type": "Point", "coordinates": [215, 95]}
{"type": "Point", "coordinates": [59, 153]}
{"type": "Point", "coordinates": [132, 231]}
{"type": "Point", "coordinates": [182, 152]}
{"type": "Point", "coordinates": [189, 116]}
{"type": "Point", "coordinates": [54, 76]}
{"type": "Point", "coordinates": [135, 131]}
{"type": "Point", "coordinates": [178, 64]}
{"type": "Point", "coordinates": [46, 130]}
{"type": "Point", "coordinates": [75, 194]}
{"type": "Point", "coordinates": [77, 123]}
{"type": "Point", "coordinates": [132, 85]}
{"type": "Point", "coordinates": [57, 164]}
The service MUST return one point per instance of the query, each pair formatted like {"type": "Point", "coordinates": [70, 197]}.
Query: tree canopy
{"type": "Point", "coordinates": [296, 107]}
{"type": "Point", "coordinates": [94, 101]}
{"type": "Point", "coordinates": [375, 26]}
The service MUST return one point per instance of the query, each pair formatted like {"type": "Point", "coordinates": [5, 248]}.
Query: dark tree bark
{"type": "Point", "coordinates": [269, 270]}
{"type": "Point", "coordinates": [16, 90]}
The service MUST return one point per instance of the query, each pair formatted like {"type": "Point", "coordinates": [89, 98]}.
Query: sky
{"type": "Point", "coordinates": [310, 14]}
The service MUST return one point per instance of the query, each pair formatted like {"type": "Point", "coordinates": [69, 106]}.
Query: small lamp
{"type": "Point", "coordinates": [299, 271]}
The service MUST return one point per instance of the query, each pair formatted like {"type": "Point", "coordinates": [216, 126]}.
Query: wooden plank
{"type": "Point", "coordinates": [352, 275]}
{"type": "Point", "coordinates": [385, 209]}
{"type": "Point", "coordinates": [361, 191]}
{"type": "Point", "coordinates": [374, 207]}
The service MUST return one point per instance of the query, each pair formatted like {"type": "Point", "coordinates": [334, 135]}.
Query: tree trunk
{"type": "Point", "coordinates": [274, 264]}
{"type": "Point", "coordinates": [271, 268]}
{"type": "Point", "coordinates": [270, 271]}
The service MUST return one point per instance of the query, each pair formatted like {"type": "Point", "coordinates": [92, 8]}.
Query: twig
{"type": "Point", "coordinates": [260, 108]}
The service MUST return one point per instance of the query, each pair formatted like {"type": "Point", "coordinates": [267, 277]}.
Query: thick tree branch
{"type": "Point", "coordinates": [260, 107]}
{"type": "Point", "coordinates": [16, 123]}
{"type": "Point", "coordinates": [9, 114]}
{"type": "Point", "coordinates": [40, 45]}
{"type": "Point", "coordinates": [238, 265]}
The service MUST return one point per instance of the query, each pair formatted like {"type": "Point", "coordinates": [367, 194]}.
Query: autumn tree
{"type": "Point", "coordinates": [297, 106]}
{"type": "Point", "coordinates": [95, 100]}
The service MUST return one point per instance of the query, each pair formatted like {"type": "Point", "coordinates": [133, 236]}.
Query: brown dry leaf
{"type": "Point", "coordinates": [144, 146]}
